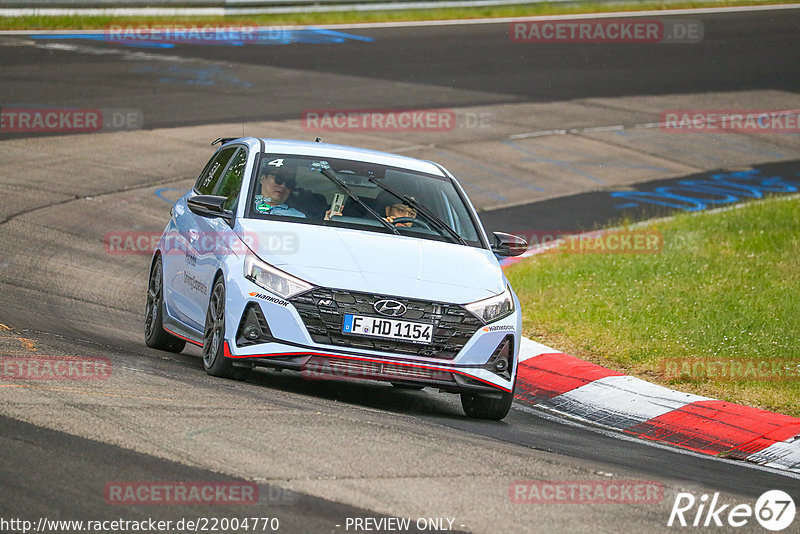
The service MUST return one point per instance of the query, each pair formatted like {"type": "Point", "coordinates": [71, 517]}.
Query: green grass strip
{"type": "Point", "coordinates": [715, 312]}
{"type": "Point", "coordinates": [349, 17]}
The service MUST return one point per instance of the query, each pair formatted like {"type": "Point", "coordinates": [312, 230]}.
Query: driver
{"type": "Point", "coordinates": [276, 186]}
{"type": "Point", "coordinates": [390, 206]}
{"type": "Point", "coordinates": [393, 208]}
{"type": "Point", "coordinates": [396, 211]}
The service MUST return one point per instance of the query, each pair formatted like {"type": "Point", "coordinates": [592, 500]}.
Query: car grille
{"type": "Point", "coordinates": [323, 311]}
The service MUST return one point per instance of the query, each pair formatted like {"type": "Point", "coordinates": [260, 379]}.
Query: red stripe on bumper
{"type": "Point", "coordinates": [548, 375]}
{"type": "Point", "coordinates": [714, 427]}
{"type": "Point", "coordinates": [228, 354]}
{"type": "Point", "coordinates": [184, 337]}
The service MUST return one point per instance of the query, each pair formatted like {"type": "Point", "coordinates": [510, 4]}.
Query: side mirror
{"type": "Point", "coordinates": [210, 206]}
{"type": "Point", "coordinates": [506, 245]}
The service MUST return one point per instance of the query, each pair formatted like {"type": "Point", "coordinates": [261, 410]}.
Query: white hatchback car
{"type": "Point", "coordinates": [337, 262]}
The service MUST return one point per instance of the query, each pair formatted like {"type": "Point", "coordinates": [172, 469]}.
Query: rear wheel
{"type": "Point", "coordinates": [214, 360]}
{"type": "Point", "coordinates": [154, 334]}
{"type": "Point", "coordinates": [480, 406]}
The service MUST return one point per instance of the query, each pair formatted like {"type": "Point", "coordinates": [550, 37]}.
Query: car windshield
{"type": "Point", "coordinates": [360, 195]}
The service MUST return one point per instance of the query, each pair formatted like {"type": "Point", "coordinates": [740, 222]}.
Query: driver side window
{"type": "Point", "coordinates": [231, 182]}
{"type": "Point", "coordinates": [210, 176]}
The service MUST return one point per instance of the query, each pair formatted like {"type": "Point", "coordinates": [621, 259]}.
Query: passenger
{"type": "Point", "coordinates": [276, 187]}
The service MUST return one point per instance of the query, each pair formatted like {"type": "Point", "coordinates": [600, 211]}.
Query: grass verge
{"type": "Point", "coordinates": [351, 17]}
{"type": "Point", "coordinates": [716, 312]}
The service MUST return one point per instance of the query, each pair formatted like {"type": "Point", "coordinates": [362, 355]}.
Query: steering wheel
{"type": "Point", "coordinates": [412, 220]}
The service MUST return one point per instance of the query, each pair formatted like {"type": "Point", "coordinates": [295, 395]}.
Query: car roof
{"type": "Point", "coordinates": [326, 150]}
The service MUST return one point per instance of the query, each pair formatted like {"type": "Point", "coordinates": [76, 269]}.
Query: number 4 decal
{"type": "Point", "coordinates": [276, 162]}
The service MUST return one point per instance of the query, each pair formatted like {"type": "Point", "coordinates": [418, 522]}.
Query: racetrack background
{"type": "Point", "coordinates": [533, 122]}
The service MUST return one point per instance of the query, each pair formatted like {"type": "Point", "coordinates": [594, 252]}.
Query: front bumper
{"type": "Point", "coordinates": [289, 340]}
{"type": "Point", "coordinates": [317, 365]}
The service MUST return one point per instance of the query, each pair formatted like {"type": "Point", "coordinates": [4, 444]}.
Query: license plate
{"type": "Point", "coordinates": [363, 325]}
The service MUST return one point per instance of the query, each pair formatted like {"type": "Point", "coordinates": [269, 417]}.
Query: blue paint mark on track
{"type": "Point", "coordinates": [168, 38]}
{"type": "Point", "coordinates": [158, 193]}
{"type": "Point", "coordinates": [593, 209]}
{"type": "Point", "coordinates": [698, 195]}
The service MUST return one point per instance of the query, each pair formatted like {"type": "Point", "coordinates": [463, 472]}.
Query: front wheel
{"type": "Point", "coordinates": [214, 360]}
{"type": "Point", "coordinates": [154, 334]}
{"type": "Point", "coordinates": [480, 406]}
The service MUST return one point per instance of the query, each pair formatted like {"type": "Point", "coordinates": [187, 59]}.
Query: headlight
{"type": "Point", "coordinates": [272, 279]}
{"type": "Point", "coordinates": [493, 308]}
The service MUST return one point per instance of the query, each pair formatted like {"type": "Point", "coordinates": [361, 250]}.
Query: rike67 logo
{"type": "Point", "coordinates": [774, 510]}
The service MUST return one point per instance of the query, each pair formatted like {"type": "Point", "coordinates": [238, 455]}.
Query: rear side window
{"type": "Point", "coordinates": [210, 176]}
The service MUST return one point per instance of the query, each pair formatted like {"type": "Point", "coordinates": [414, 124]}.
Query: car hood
{"type": "Point", "coordinates": [380, 263]}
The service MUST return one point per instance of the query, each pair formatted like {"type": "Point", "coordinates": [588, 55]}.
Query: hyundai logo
{"type": "Point", "coordinates": [389, 307]}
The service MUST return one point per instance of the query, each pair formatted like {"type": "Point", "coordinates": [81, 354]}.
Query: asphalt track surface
{"type": "Point", "coordinates": [597, 209]}
{"type": "Point", "coordinates": [336, 450]}
{"type": "Point", "coordinates": [459, 65]}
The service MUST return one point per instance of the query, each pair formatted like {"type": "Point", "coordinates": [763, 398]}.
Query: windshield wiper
{"type": "Point", "coordinates": [328, 173]}
{"type": "Point", "coordinates": [414, 203]}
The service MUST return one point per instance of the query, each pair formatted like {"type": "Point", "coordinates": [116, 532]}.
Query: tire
{"type": "Point", "coordinates": [478, 406]}
{"type": "Point", "coordinates": [214, 361]}
{"type": "Point", "coordinates": [154, 334]}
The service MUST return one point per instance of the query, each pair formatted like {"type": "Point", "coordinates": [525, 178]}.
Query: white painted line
{"type": "Point", "coordinates": [18, 42]}
{"type": "Point", "coordinates": [125, 53]}
{"type": "Point", "coordinates": [646, 125]}
{"type": "Point", "coordinates": [621, 401]}
{"type": "Point", "coordinates": [58, 46]}
{"type": "Point", "coordinates": [537, 134]}
{"type": "Point", "coordinates": [414, 148]}
{"type": "Point", "coordinates": [614, 128]}
{"type": "Point", "coordinates": [783, 455]}
{"type": "Point", "coordinates": [549, 414]}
